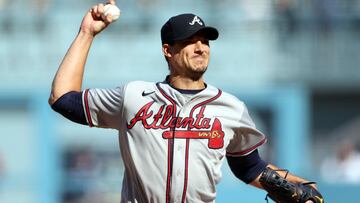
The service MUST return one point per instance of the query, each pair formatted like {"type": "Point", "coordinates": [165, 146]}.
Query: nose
{"type": "Point", "coordinates": [199, 47]}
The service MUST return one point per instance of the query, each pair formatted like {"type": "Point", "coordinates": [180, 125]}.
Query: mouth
{"type": "Point", "coordinates": [199, 58]}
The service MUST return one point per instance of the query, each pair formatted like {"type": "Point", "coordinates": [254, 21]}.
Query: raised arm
{"type": "Point", "coordinates": [70, 73]}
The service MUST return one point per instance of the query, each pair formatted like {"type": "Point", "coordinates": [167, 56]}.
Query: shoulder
{"type": "Point", "coordinates": [139, 83]}
{"type": "Point", "coordinates": [230, 99]}
{"type": "Point", "coordinates": [139, 86]}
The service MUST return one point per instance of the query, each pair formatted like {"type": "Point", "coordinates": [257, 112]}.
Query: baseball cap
{"type": "Point", "coordinates": [184, 26]}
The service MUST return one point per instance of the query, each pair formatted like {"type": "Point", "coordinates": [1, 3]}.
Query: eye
{"type": "Point", "coordinates": [187, 42]}
{"type": "Point", "coordinates": [193, 41]}
{"type": "Point", "coordinates": [205, 41]}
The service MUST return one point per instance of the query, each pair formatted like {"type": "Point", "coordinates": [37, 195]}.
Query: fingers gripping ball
{"type": "Point", "coordinates": [113, 10]}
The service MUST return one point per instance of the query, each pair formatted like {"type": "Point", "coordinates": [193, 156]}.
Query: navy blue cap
{"type": "Point", "coordinates": [184, 26]}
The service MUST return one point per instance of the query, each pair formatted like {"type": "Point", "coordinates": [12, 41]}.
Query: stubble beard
{"type": "Point", "coordinates": [197, 73]}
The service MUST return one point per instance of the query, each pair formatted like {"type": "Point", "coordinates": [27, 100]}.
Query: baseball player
{"type": "Point", "coordinates": [173, 134]}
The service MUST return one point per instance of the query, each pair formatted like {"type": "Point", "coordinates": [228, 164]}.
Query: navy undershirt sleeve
{"type": "Point", "coordinates": [248, 167]}
{"type": "Point", "coordinates": [70, 106]}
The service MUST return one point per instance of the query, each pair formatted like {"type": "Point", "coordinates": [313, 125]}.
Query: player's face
{"type": "Point", "coordinates": [190, 57]}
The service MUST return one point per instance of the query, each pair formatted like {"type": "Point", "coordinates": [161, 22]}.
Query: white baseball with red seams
{"type": "Point", "coordinates": [172, 144]}
{"type": "Point", "coordinates": [113, 10]}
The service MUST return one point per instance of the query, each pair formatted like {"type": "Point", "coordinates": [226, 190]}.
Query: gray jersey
{"type": "Point", "coordinates": [172, 144]}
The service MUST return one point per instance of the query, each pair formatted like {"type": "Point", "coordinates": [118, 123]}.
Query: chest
{"type": "Point", "coordinates": [203, 122]}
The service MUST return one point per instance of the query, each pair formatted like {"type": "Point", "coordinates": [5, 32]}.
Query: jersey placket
{"type": "Point", "coordinates": [170, 163]}
{"type": "Point", "coordinates": [178, 152]}
{"type": "Point", "coordinates": [178, 165]}
{"type": "Point", "coordinates": [178, 155]}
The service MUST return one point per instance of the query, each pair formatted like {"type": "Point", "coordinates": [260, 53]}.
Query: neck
{"type": "Point", "coordinates": [185, 83]}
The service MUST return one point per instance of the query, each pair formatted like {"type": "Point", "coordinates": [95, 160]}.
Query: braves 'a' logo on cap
{"type": "Point", "coordinates": [196, 20]}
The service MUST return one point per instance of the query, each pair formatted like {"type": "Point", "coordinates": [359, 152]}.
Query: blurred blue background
{"type": "Point", "coordinates": [295, 63]}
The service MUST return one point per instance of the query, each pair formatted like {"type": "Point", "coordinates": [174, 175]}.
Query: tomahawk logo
{"type": "Point", "coordinates": [196, 20]}
{"type": "Point", "coordinates": [215, 135]}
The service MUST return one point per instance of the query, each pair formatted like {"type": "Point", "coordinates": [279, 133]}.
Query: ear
{"type": "Point", "coordinates": [166, 50]}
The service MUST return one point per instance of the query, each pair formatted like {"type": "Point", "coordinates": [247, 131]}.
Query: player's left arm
{"type": "Point", "coordinates": [279, 184]}
{"type": "Point", "coordinates": [289, 178]}
{"type": "Point", "coordinates": [250, 167]}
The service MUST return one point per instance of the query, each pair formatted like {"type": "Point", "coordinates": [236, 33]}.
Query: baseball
{"type": "Point", "coordinates": [112, 10]}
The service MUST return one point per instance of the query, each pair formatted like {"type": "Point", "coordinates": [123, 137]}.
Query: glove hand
{"type": "Point", "coordinates": [282, 190]}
